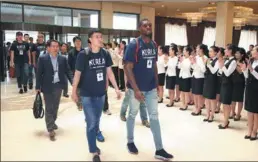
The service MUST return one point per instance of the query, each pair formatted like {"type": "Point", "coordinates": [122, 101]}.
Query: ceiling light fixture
{"type": "Point", "coordinates": [194, 17]}
{"type": "Point", "coordinates": [162, 6]}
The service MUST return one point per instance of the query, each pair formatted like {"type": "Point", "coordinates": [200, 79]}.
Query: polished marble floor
{"type": "Point", "coordinates": [188, 138]}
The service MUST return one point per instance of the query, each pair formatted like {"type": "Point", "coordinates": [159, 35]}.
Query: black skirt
{"type": "Point", "coordinates": [197, 86]}
{"type": "Point", "coordinates": [177, 76]}
{"type": "Point", "coordinates": [238, 92]}
{"type": "Point", "coordinates": [226, 91]}
{"type": "Point", "coordinates": [185, 84]}
{"type": "Point", "coordinates": [210, 87]}
{"type": "Point", "coordinates": [251, 101]}
{"type": "Point", "coordinates": [170, 82]}
{"type": "Point", "coordinates": [218, 84]}
{"type": "Point", "coordinates": [161, 79]}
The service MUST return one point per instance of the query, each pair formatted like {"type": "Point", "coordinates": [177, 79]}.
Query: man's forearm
{"type": "Point", "coordinates": [29, 57]}
{"type": "Point", "coordinates": [34, 57]}
{"type": "Point", "coordinates": [76, 80]}
{"type": "Point", "coordinates": [12, 56]}
{"type": "Point", "coordinates": [156, 74]}
{"type": "Point", "coordinates": [130, 77]}
{"type": "Point", "coordinates": [112, 79]}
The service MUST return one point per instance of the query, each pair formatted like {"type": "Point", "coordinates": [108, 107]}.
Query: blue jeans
{"type": "Point", "coordinates": [151, 101]}
{"type": "Point", "coordinates": [125, 104]}
{"type": "Point", "coordinates": [92, 107]}
{"type": "Point", "coordinates": [22, 73]}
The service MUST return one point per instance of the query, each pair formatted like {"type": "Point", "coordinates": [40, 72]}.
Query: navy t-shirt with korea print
{"type": "Point", "coordinates": [93, 68]}
{"type": "Point", "coordinates": [143, 70]}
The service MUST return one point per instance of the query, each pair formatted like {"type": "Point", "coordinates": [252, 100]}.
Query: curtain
{"type": "Point", "coordinates": [247, 37]}
{"type": "Point", "coordinates": [209, 36]}
{"type": "Point", "coordinates": [175, 34]}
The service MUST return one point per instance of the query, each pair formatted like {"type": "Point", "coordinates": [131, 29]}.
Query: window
{"type": "Point", "coordinates": [10, 35]}
{"type": "Point", "coordinates": [247, 37]}
{"type": "Point", "coordinates": [47, 15]}
{"type": "Point", "coordinates": [209, 36]}
{"type": "Point", "coordinates": [175, 34]}
{"type": "Point", "coordinates": [124, 21]}
{"type": "Point", "coordinates": [84, 18]}
{"type": "Point", "coordinates": [11, 12]}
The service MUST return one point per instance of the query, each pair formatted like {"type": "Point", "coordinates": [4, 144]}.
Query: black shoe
{"type": "Point", "coordinates": [170, 105]}
{"type": "Point", "coordinates": [183, 109]}
{"type": "Point", "coordinates": [30, 86]}
{"type": "Point", "coordinates": [66, 95]}
{"type": "Point", "coordinates": [96, 158]}
{"type": "Point", "coordinates": [167, 97]}
{"type": "Point", "coordinates": [247, 137]}
{"type": "Point", "coordinates": [223, 127]}
{"type": "Point", "coordinates": [132, 148]}
{"type": "Point", "coordinates": [253, 138]}
{"type": "Point", "coordinates": [25, 89]}
{"type": "Point", "coordinates": [55, 127]}
{"type": "Point", "coordinates": [205, 120]}
{"type": "Point", "coordinates": [163, 155]}
{"type": "Point", "coordinates": [98, 151]}
{"type": "Point", "coordinates": [197, 114]}
{"type": "Point", "coordinates": [21, 91]}
{"type": "Point", "coordinates": [177, 100]}
{"type": "Point", "coordinates": [211, 120]}
{"type": "Point", "coordinates": [237, 118]}
{"type": "Point", "coordinates": [160, 101]}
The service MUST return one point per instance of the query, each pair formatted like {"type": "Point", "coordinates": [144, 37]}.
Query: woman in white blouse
{"type": "Point", "coordinates": [162, 53]}
{"type": "Point", "coordinates": [114, 55]}
{"type": "Point", "coordinates": [185, 77]}
{"type": "Point", "coordinates": [198, 66]}
{"type": "Point", "coordinates": [226, 71]}
{"type": "Point", "coordinates": [210, 84]}
{"type": "Point", "coordinates": [251, 101]}
{"type": "Point", "coordinates": [121, 66]}
{"type": "Point", "coordinates": [171, 64]}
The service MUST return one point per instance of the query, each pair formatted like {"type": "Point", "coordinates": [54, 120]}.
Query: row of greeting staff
{"type": "Point", "coordinates": [227, 74]}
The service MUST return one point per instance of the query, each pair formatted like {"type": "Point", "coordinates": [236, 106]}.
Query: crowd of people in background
{"type": "Point", "coordinates": [206, 78]}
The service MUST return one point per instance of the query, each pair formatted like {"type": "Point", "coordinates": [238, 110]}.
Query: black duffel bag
{"type": "Point", "coordinates": [38, 110]}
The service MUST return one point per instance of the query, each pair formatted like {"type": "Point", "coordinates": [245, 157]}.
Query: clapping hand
{"type": "Point", "coordinates": [242, 66]}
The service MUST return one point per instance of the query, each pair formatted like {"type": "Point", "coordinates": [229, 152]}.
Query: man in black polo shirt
{"type": "Point", "coordinates": [20, 59]}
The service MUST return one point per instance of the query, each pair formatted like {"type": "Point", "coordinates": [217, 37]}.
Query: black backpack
{"type": "Point", "coordinates": [38, 110]}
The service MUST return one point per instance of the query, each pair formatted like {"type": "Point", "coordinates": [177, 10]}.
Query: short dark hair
{"type": "Point", "coordinates": [142, 20]}
{"type": "Point", "coordinates": [115, 43]}
{"type": "Point", "coordinates": [26, 35]}
{"type": "Point", "coordinates": [189, 49]}
{"type": "Point", "coordinates": [76, 38]}
{"type": "Point", "coordinates": [30, 38]}
{"type": "Point", "coordinates": [49, 42]}
{"type": "Point", "coordinates": [233, 48]}
{"type": "Point", "coordinates": [123, 42]}
{"type": "Point", "coordinates": [92, 31]}
{"type": "Point", "coordinates": [252, 45]}
{"type": "Point", "coordinates": [65, 45]}
{"type": "Point", "coordinates": [165, 49]}
{"type": "Point", "coordinates": [215, 48]}
{"type": "Point", "coordinates": [89, 42]}
{"type": "Point", "coordinates": [204, 48]}
{"type": "Point", "coordinates": [222, 51]}
{"type": "Point", "coordinates": [173, 46]}
{"type": "Point", "coordinates": [19, 33]}
{"type": "Point", "coordinates": [109, 44]}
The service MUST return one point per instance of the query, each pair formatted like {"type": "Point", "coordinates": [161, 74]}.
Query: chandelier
{"type": "Point", "coordinates": [239, 22]}
{"type": "Point", "coordinates": [194, 17]}
{"type": "Point", "coordinates": [241, 15]}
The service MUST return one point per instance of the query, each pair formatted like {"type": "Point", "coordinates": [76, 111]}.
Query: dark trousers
{"type": "Point", "coordinates": [30, 79]}
{"type": "Point", "coordinates": [122, 79]}
{"type": "Point", "coordinates": [115, 71]}
{"type": "Point", "coordinates": [22, 72]}
{"type": "Point", "coordinates": [66, 87]}
{"type": "Point", "coordinates": [106, 105]}
{"type": "Point", "coordinates": [52, 101]}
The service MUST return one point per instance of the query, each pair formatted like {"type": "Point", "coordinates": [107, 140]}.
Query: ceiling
{"type": "Point", "coordinates": [174, 9]}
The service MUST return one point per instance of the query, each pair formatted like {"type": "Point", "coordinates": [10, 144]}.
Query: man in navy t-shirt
{"type": "Point", "coordinates": [141, 71]}
{"type": "Point", "coordinates": [92, 67]}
